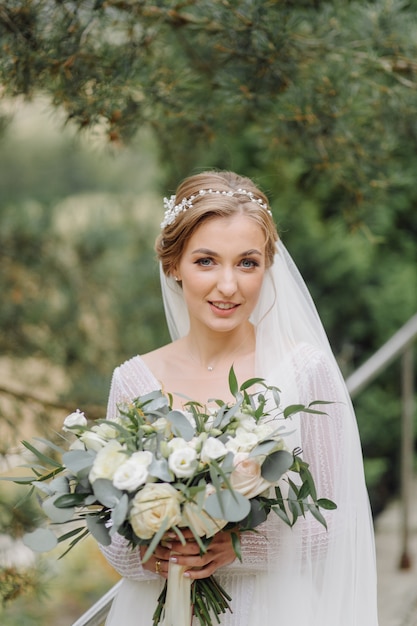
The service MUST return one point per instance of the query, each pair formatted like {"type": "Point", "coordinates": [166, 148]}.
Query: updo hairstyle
{"type": "Point", "coordinates": [170, 243]}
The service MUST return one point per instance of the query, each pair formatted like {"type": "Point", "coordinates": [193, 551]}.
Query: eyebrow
{"type": "Point", "coordinates": [208, 252]}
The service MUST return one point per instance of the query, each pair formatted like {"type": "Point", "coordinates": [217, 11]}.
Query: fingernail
{"type": "Point", "coordinates": [173, 559]}
{"type": "Point", "coordinates": [187, 574]}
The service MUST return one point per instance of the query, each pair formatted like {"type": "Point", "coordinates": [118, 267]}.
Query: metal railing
{"type": "Point", "coordinates": [400, 345]}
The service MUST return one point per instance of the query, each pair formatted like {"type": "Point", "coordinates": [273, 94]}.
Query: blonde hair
{"type": "Point", "coordinates": [171, 242]}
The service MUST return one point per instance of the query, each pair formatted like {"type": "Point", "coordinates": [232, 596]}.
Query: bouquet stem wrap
{"type": "Point", "coordinates": [178, 610]}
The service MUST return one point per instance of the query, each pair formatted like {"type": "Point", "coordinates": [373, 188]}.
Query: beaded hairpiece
{"type": "Point", "coordinates": [172, 210]}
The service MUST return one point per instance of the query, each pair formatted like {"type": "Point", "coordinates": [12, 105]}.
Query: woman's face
{"type": "Point", "coordinates": [222, 268]}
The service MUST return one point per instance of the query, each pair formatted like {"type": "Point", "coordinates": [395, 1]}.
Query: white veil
{"type": "Point", "coordinates": [314, 577]}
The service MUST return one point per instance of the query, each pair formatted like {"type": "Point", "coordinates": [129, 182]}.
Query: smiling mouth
{"type": "Point", "coordinates": [224, 306]}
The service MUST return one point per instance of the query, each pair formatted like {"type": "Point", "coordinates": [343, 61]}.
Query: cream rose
{"type": "Point", "coordinates": [108, 459]}
{"type": "Point", "coordinates": [151, 506]}
{"type": "Point", "coordinates": [134, 472]}
{"type": "Point", "coordinates": [246, 476]}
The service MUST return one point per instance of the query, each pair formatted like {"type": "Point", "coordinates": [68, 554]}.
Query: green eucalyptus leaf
{"type": "Point", "coordinates": [265, 447]}
{"type": "Point", "coordinates": [68, 500]}
{"type": "Point", "coordinates": [237, 548]}
{"type": "Point", "coordinates": [56, 514]}
{"type": "Point", "coordinates": [40, 540]}
{"type": "Point", "coordinates": [292, 409]}
{"type": "Point", "coordinates": [42, 457]}
{"type": "Point", "coordinates": [159, 469]}
{"type": "Point", "coordinates": [282, 514]}
{"type": "Point", "coordinates": [276, 465]}
{"type": "Point", "coordinates": [250, 382]}
{"type": "Point", "coordinates": [228, 505]}
{"type": "Point", "coordinates": [326, 504]}
{"type": "Point", "coordinates": [180, 425]}
{"type": "Point", "coordinates": [97, 528]}
{"type": "Point", "coordinates": [233, 384]}
{"type": "Point", "coordinates": [155, 540]}
{"type": "Point", "coordinates": [106, 493]}
{"type": "Point", "coordinates": [227, 465]}
{"type": "Point", "coordinates": [60, 485]}
{"type": "Point", "coordinates": [79, 462]}
{"type": "Point", "coordinates": [314, 510]}
{"type": "Point", "coordinates": [119, 513]}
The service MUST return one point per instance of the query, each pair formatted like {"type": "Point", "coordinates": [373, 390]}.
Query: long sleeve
{"type": "Point", "coordinates": [128, 382]}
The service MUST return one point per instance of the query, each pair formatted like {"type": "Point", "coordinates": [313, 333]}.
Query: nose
{"type": "Point", "coordinates": [227, 282]}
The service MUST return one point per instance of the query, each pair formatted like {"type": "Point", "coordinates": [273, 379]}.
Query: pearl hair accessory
{"type": "Point", "coordinates": [172, 210]}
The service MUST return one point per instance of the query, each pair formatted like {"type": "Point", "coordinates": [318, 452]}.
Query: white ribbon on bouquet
{"type": "Point", "coordinates": [178, 609]}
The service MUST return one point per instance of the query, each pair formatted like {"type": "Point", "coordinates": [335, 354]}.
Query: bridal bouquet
{"type": "Point", "coordinates": [156, 470]}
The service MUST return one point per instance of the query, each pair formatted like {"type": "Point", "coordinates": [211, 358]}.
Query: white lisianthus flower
{"type": "Point", "coordinates": [190, 417]}
{"type": "Point", "coordinates": [92, 441]}
{"type": "Point", "coordinates": [201, 522]}
{"type": "Point", "coordinates": [213, 449]}
{"type": "Point", "coordinates": [265, 430]}
{"type": "Point", "coordinates": [133, 472]}
{"type": "Point", "coordinates": [242, 442]}
{"type": "Point", "coordinates": [151, 505]}
{"type": "Point", "coordinates": [246, 477]}
{"type": "Point", "coordinates": [177, 443]}
{"type": "Point", "coordinates": [183, 462]}
{"type": "Point", "coordinates": [108, 459]}
{"type": "Point", "coordinates": [74, 420]}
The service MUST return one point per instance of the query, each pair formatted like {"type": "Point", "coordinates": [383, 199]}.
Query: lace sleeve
{"type": "Point", "coordinates": [129, 381]}
{"type": "Point", "coordinates": [322, 439]}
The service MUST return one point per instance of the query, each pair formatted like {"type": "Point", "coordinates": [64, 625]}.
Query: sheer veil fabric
{"type": "Point", "coordinates": [304, 575]}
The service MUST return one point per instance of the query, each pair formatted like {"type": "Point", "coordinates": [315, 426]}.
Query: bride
{"type": "Point", "coordinates": [233, 296]}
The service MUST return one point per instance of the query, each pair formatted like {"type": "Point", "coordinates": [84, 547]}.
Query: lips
{"type": "Point", "coordinates": [224, 307]}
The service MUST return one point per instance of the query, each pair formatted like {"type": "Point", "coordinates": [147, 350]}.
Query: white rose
{"type": "Point", "coordinates": [246, 476]}
{"type": "Point", "coordinates": [92, 441]}
{"type": "Point", "coordinates": [108, 459]}
{"type": "Point", "coordinates": [199, 520]}
{"type": "Point", "coordinates": [183, 462]}
{"type": "Point", "coordinates": [133, 472]}
{"type": "Point", "coordinates": [74, 420]}
{"type": "Point", "coordinates": [212, 449]}
{"type": "Point", "coordinates": [151, 506]}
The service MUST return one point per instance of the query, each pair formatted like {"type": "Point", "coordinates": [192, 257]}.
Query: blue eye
{"type": "Point", "coordinates": [205, 262]}
{"type": "Point", "coordinates": [249, 263]}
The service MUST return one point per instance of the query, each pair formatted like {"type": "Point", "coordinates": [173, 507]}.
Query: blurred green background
{"type": "Point", "coordinates": [104, 107]}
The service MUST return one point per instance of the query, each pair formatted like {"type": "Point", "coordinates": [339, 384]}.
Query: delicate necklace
{"type": "Point", "coordinates": [210, 368]}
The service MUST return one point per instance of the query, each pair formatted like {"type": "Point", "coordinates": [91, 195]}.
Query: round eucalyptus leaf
{"type": "Point", "coordinates": [98, 529]}
{"type": "Point", "coordinates": [40, 540]}
{"type": "Point", "coordinates": [228, 505]}
{"type": "Point", "coordinates": [276, 464]}
{"type": "Point", "coordinates": [106, 493]}
{"type": "Point", "coordinates": [180, 425]}
{"type": "Point", "coordinates": [55, 514]}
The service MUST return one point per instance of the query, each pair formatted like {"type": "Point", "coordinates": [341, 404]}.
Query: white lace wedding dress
{"type": "Point", "coordinates": [304, 575]}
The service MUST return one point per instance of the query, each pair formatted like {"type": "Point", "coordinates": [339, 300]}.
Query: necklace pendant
{"type": "Point", "coordinates": [210, 368]}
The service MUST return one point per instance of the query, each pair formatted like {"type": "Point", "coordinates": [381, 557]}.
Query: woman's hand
{"type": "Point", "coordinates": [219, 553]}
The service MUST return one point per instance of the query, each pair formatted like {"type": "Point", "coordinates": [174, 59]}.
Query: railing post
{"type": "Point", "coordinates": [407, 451]}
